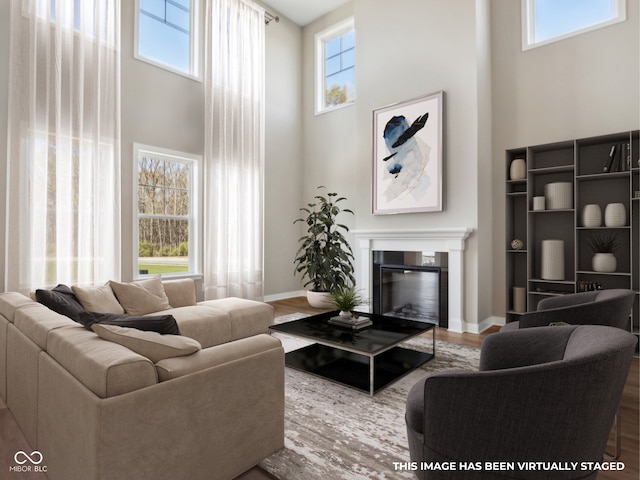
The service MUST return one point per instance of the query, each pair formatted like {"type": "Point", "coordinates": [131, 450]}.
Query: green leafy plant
{"type": "Point", "coordinates": [347, 298]}
{"type": "Point", "coordinates": [324, 258]}
{"type": "Point", "coordinates": [603, 242]}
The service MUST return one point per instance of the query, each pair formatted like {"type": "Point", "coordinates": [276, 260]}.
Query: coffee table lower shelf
{"type": "Point", "coordinates": [353, 369]}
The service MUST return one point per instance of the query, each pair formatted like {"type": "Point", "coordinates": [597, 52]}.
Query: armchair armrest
{"type": "Point", "coordinates": [524, 347]}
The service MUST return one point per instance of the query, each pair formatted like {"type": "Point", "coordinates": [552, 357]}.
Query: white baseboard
{"type": "Point", "coordinates": [285, 296]}
{"type": "Point", "coordinates": [485, 324]}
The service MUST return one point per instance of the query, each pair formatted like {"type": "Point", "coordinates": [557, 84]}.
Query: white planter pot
{"type": "Point", "coordinates": [604, 262]}
{"type": "Point", "coordinates": [518, 169]}
{"type": "Point", "coordinates": [615, 215]}
{"type": "Point", "coordinates": [319, 299]}
{"type": "Point", "coordinates": [591, 216]}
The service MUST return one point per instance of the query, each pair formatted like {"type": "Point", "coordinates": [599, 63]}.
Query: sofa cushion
{"type": "Point", "coordinates": [10, 302]}
{"type": "Point", "coordinates": [105, 368]}
{"type": "Point", "coordinates": [209, 326]}
{"type": "Point", "coordinates": [213, 356]}
{"type": "Point", "coordinates": [36, 321]}
{"type": "Point", "coordinates": [98, 299]}
{"type": "Point", "coordinates": [181, 292]}
{"type": "Point", "coordinates": [141, 297]}
{"type": "Point", "coordinates": [148, 344]}
{"type": "Point", "coordinates": [62, 300]}
{"type": "Point", "coordinates": [247, 317]}
{"type": "Point", "coordinates": [164, 324]}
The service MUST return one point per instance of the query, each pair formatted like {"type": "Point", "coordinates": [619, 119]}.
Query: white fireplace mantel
{"type": "Point", "coordinates": [450, 240]}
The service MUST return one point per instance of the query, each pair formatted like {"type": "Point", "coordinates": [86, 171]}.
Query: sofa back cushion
{"type": "Point", "coordinates": [10, 302]}
{"type": "Point", "coordinates": [141, 297]}
{"type": "Point", "coordinates": [36, 321]}
{"type": "Point", "coordinates": [98, 299]}
{"type": "Point", "coordinates": [181, 292]}
{"type": "Point", "coordinates": [105, 368]}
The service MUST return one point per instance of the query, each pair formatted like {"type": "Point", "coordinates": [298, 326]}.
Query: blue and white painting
{"type": "Point", "coordinates": [408, 156]}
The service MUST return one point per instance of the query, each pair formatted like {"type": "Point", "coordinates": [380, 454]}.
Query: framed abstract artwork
{"type": "Point", "coordinates": [407, 156]}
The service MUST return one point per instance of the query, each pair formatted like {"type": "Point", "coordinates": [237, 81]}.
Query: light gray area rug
{"type": "Point", "coordinates": [334, 432]}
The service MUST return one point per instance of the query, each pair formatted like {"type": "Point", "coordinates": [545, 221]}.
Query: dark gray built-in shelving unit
{"type": "Point", "coordinates": [582, 163]}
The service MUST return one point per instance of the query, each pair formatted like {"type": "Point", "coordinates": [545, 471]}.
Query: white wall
{"type": "Point", "coordinates": [284, 168]}
{"type": "Point", "coordinates": [404, 50]}
{"type": "Point", "coordinates": [583, 86]}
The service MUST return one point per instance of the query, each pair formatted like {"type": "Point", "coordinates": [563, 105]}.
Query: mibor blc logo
{"type": "Point", "coordinates": [28, 462]}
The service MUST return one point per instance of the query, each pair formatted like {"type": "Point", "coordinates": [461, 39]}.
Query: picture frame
{"type": "Point", "coordinates": [407, 156]}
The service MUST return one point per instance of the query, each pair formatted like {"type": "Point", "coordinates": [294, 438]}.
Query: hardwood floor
{"type": "Point", "coordinates": [11, 439]}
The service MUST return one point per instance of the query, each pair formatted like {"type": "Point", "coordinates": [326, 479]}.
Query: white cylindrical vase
{"type": "Point", "coordinates": [604, 262]}
{"type": "Point", "coordinates": [539, 203]}
{"type": "Point", "coordinates": [615, 215]}
{"type": "Point", "coordinates": [519, 299]}
{"type": "Point", "coordinates": [591, 216]}
{"type": "Point", "coordinates": [559, 195]}
{"type": "Point", "coordinates": [518, 169]}
{"type": "Point", "coordinates": [552, 260]}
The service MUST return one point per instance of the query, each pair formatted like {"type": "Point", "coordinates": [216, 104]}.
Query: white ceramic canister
{"type": "Point", "coordinates": [591, 216]}
{"type": "Point", "coordinates": [518, 169]}
{"type": "Point", "coordinates": [615, 215]}
{"type": "Point", "coordinates": [559, 195]}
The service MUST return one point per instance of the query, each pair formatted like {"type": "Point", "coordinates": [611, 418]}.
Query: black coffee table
{"type": "Point", "coordinates": [367, 360]}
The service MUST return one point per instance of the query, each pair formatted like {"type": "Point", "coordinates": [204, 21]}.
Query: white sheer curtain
{"type": "Point", "coordinates": [63, 177]}
{"type": "Point", "coordinates": [234, 149]}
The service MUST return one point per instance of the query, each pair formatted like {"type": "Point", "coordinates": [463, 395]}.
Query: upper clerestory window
{"type": "Point", "coordinates": [335, 66]}
{"type": "Point", "coordinates": [167, 34]}
{"type": "Point", "coordinates": [547, 21]}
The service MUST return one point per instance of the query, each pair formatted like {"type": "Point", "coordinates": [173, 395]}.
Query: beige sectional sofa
{"type": "Point", "coordinates": [96, 409]}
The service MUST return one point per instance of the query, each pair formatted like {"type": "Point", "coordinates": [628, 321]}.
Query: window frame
{"type": "Point", "coordinates": [321, 39]}
{"type": "Point", "coordinates": [529, 27]}
{"type": "Point", "coordinates": [195, 217]}
{"type": "Point", "coordinates": [195, 70]}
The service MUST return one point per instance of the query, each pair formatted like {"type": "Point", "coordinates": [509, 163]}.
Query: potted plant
{"type": "Point", "coordinates": [324, 258]}
{"type": "Point", "coordinates": [604, 245]}
{"type": "Point", "coordinates": [346, 299]}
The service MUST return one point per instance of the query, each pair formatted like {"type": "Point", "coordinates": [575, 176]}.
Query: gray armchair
{"type": "Point", "coordinates": [602, 307]}
{"type": "Point", "coordinates": [544, 394]}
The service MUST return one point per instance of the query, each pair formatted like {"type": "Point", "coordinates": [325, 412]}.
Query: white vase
{"type": "Point", "coordinates": [604, 262]}
{"type": "Point", "coordinates": [559, 195]}
{"type": "Point", "coordinates": [319, 299]}
{"type": "Point", "coordinates": [615, 215]}
{"type": "Point", "coordinates": [345, 314]}
{"type": "Point", "coordinates": [517, 169]}
{"type": "Point", "coordinates": [552, 260]}
{"type": "Point", "coordinates": [591, 216]}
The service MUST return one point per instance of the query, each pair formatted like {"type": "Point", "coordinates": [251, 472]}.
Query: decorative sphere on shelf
{"type": "Point", "coordinates": [517, 244]}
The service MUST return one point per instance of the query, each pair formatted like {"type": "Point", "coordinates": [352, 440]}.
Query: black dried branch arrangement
{"type": "Point", "coordinates": [604, 242]}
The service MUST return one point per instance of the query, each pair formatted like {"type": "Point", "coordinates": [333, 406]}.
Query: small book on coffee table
{"type": "Point", "coordinates": [353, 323]}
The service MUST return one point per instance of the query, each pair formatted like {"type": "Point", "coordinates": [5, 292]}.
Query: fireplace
{"type": "Point", "coordinates": [450, 240]}
{"type": "Point", "coordinates": [411, 285]}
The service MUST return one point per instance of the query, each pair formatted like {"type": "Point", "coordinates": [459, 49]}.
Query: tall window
{"type": "Point", "coordinates": [547, 21]}
{"type": "Point", "coordinates": [335, 66]}
{"type": "Point", "coordinates": [167, 34]}
{"type": "Point", "coordinates": [167, 223]}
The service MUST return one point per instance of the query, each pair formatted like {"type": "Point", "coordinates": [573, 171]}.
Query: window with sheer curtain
{"type": "Point", "coordinates": [63, 143]}
{"type": "Point", "coordinates": [234, 149]}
